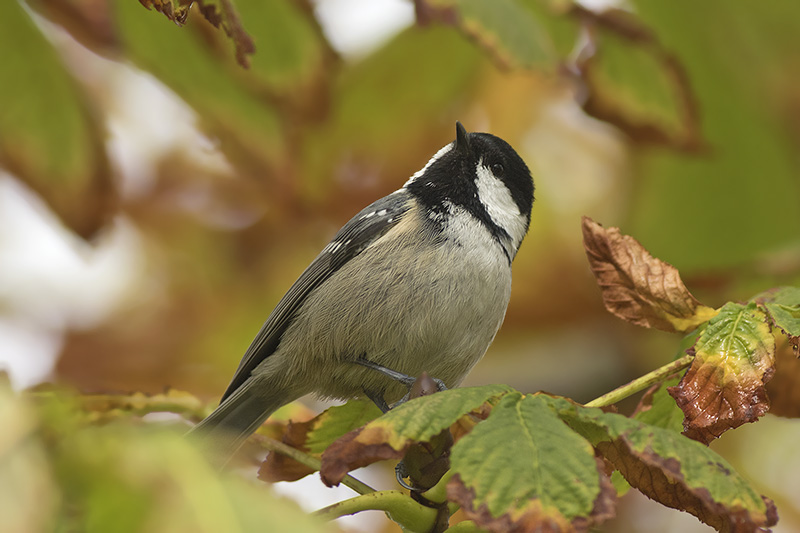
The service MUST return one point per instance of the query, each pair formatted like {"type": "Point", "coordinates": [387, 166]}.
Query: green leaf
{"type": "Point", "coordinates": [388, 437]}
{"type": "Point", "coordinates": [783, 306]}
{"type": "Point", "coordinates": [561, 29]}
{"type": "Point", "coordinates": [49, 137]}
{"type": "Point", "coordinates": [673, 470]}
{"type": "Point", "coordinates": [220, 13]}
{"type": "Point", "coordinates": [338, 420]}
{"type": "Point", "coordinates": [620, 485]}
{"type": "Point", "coordinates": [423, 418]}
{"type": "Point", "coordinates": [658, 408]}
{"type": "Point", "coordinates": [121, 477]}
{"type": "Point", "coordinates": [523, 465]}
{"type": "Point", "coordinates": [718, 209]}
{"type": "Point", "coordinates": [247, 126]}
{"type": "Point", "coordinates": [288, 50]}
{"type": "Point", "coordinates": [724, 387]}
{"type": "Point", "coordinates": [509, 31]}
{"type": "Point", "coordinates": [637, 86]}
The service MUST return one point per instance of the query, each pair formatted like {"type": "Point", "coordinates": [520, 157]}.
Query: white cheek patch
{"type": "Point", "coordinates": [497, 199]}
{"type": "Point", "coordinates": [473, 235]}
{"type": "Point", "coordinates": [431, 161]}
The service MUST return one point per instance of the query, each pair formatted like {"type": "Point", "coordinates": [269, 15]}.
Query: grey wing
{"type": "Point", "coordinates": [361, 231]}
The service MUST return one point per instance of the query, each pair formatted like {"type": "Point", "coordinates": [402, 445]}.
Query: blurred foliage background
{"type": "Point", "coordinates": [158, 198]}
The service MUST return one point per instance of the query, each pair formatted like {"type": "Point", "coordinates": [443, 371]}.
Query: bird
{"type": "Point", "coordinates": [418, 281]}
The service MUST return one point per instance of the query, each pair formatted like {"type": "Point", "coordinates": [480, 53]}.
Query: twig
{"type": "Point", "coordinates": [311, 462]}
{"type": "Point", "coordinates": [641, 383]}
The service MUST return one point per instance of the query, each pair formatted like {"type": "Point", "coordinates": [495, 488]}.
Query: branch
{"type": "Point", "coordinates": [401, 508]}
{"type": "Point", "coordinates": [641, 383]}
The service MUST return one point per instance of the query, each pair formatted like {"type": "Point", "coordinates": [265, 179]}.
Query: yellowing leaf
{"type": "Point", "coordinates": [783, 306]}
{"type": "Point", "coordinates": [724, 387]}
{"type": "Point", "coordinates": [638, 287]}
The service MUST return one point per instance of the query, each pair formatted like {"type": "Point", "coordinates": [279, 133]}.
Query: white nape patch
{"type": "Point", "coordinates": [431, 161]}
{"type": "Point", "coordinates": [497, 199]}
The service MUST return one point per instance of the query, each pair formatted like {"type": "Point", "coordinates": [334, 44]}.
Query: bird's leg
{"type": "Point", "coordinates": [405, 379]}
{"type": "Point", "coordinates": [377, 399]}
{"type": "Point", "coordinates": [400, 470]}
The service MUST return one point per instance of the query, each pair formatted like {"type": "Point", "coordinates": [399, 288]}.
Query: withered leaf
{"type": "Point", "coordinates": [535, 518]}
{"type": "Point", "coordinates": [638, 287]}
{"type": "Point", "coordinates": [175, 10]}
{"type": "Point", "coordinates": [725, 386]}
{"type": "Point", "coordinates": [660, 478]}
{"type": "Point", "coordinates": [360, 447]}
{"type": "Point", "coordinates": [278, 467]}
{"type": "Point", "coordinates": [314, 436]}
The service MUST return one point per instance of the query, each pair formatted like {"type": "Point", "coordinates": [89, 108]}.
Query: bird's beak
{"type": "Point", "coordinates": [462, 141]}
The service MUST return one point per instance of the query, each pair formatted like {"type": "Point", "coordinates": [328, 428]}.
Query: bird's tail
{"type": "Point", "coordinates": [222, 432]}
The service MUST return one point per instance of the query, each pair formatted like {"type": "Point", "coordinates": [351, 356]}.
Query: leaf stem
{"type": "Point", "coordinates": [399, 505]}
{"type": "Point", "coordinates": [311, 462]}
{"type": "Point", "coordinates": [641, 383]}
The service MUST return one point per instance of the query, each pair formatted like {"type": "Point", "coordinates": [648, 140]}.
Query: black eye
{"type": "Point", "coordinates": [497, 169]}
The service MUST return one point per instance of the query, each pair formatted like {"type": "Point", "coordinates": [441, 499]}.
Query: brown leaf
{"type": "Point", "coordinates": [175, 10]}
{"type": "Point", "coordinates": [225, 15]}
{"type": "Point", "coordinates": [537, 519]}
{"type": "Point", "coordinates": [725, 386]}
{"type": "Point", "coordinates": [467, 423]}
{"type": "Point", "coordinates": [279, 467]}
{"type": "Point", "coordinates": [660, 478]}
{"type": "Point", "coordinates": [360, 447]}
{"type": "Point", "coordinates": [638, 287]}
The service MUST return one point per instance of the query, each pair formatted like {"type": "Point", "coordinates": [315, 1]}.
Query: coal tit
{"type": "Point", "coordinates": [418, 281]}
